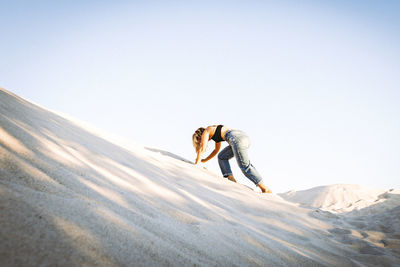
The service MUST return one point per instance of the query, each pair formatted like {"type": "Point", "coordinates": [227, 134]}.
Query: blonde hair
{"type": "Point", "coordinates": [196, 138]}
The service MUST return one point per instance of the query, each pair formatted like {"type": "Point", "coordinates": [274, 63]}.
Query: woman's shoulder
{"type": "Point", "coordinates": [213, 127]}
{"type": "Point", "coordinates": [216, 125]}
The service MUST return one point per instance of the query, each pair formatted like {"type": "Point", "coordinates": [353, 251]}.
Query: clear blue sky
{"type": "Point", "coordinates": [315, 84]}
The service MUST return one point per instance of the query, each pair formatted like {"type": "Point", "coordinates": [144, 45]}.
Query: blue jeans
{"type": "Point", "coordinates": [238, 142]}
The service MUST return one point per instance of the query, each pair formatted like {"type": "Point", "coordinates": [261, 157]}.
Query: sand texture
{"type": "Point", "coordinates": [70, 196]}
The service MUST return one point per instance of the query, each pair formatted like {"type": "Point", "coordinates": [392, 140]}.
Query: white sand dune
{"type": "Point", "coordinates": [339, 197]}
{"type": "Point", "coordinates": [69, 196]}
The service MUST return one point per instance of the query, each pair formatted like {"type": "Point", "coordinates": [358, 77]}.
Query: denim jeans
{"type": "Point", "coordinates": [238, 142]}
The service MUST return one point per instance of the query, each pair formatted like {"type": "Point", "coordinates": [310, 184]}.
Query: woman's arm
{"type": "Point", "coordinates": [215, 152]}
{"type": "Point", "coordinates": [203, 145]}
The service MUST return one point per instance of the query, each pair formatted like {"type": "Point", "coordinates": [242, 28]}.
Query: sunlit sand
{"type": "Point", "coordinates": [70, 196]}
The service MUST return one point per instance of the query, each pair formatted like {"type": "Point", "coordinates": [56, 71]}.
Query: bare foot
{"type": "Point", "coordinates": [231, 178]}
{"type": "Point", "coordinates": [264, 188]}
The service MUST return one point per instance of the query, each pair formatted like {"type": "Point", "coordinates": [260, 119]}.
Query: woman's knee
{"type": "Point", "coordinates": [223, 156]}
{"type": "Point", "coordinates": [245, 166]}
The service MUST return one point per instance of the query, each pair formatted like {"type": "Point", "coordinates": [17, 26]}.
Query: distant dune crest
{"type": "Point", "coordinates": [341, 198]}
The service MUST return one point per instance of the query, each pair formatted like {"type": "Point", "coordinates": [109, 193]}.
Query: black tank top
{"type": "Point", "coordinates": [217, 135]}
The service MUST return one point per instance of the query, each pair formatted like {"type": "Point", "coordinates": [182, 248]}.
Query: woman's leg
{"type": "Point", "coordinates": [239, 148]}
{"type": "Point", "coordinates": [223, 160]}
{"type": "Point", "coordinates": [248, 169]}
{"type": "Point", "coordinates": [264, 188]}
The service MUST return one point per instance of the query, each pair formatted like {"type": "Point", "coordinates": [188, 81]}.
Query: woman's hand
{"type": "Point", "coordinates": [215, 152]}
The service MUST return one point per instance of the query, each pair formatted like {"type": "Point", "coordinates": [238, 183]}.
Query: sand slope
{"type": "Point", "coordinates": [69, 196]}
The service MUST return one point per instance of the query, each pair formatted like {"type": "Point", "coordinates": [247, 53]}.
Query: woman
{"type": "Point", "coordinates": [238, 142]}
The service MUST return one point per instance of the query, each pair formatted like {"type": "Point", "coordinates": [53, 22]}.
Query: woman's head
{"type": "Point", "coordinates": [196, 138]}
